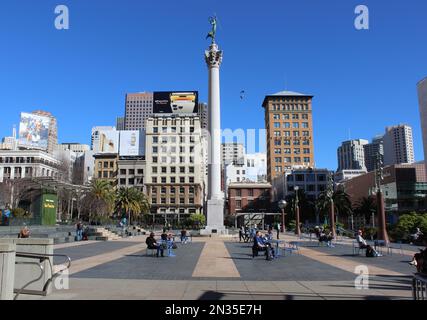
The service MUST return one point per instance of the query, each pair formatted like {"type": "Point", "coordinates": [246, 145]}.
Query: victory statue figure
{"type": "Point", "coordinates": [212, 33]}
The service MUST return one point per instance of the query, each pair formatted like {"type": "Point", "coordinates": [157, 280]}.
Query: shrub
{"type": "Point", "coordinates": [197, 220]}
{"type": "Point", "coordinates": [19, 213]}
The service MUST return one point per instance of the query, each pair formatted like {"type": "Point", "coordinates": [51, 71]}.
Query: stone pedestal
{"type": "Point", "coordinates": [215, 222]}
{"type": "Point", "coordinates": [7, 270]}
{"type": "Point", "coordinates": [26, 273]}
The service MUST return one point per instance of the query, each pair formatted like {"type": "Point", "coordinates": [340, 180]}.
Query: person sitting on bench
{"type": "Point", "coordinates": [153, 245]}
{"type": "Point", "coordinates": [370, 252]}
{"type": "Point", "coordinates": [323, 237]}
{"type": "Point", "coordinates": [261, 245]}
{"type": "Point", "coordinates": [184, 237]}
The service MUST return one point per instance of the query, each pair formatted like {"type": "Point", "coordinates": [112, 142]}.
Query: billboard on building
{"type": "Point", "coordinates": [177, 102]}
{"type": "Point", "coordinates": [33, 131]}
{"type": "Point", "coordinates": [109, 141]}
{"type": "Point", "coordinates": [132, 143]}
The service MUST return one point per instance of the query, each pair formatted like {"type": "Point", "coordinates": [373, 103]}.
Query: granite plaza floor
{"type": "Point", "coordinates": [222, 269]}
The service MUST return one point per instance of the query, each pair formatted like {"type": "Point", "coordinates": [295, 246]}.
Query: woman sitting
{"type": "Point", "coordinates": [370, 252]}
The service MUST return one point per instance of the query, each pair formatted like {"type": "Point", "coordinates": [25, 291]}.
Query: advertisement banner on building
{"type": "Point", "coordinates": [109, 141]}
{"type": "Point", "coordinates": [33, 131]}
{"type": "Point", "coordinates": [177, 102]}
{"type": "Point", "coordinates": [132, 143]}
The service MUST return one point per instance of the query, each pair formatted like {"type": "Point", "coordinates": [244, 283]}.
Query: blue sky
{"type": "Point", "coordinates": [362, 80]}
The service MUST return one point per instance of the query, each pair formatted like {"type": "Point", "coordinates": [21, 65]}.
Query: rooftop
{"type": "Point", "coordinates": [290, 94]}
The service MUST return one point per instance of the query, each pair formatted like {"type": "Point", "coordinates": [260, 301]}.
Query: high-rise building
{"type": "Point", "coordinates": [422, 97]}
{"type": "Point", "coordinates": [175, 167]}
{"type": "Point", "coordinates": [351, 155]}
{"type": "Point", "coordinates": [374, 151]}
{"type": "Point", "coordinates": [139, 107]}
{"type": "Point", "coordinates": [398, 145]}
{"type": "Point", "coordinates": [203, 115]}
{"type": "Point", "coordinates": [52, 142]}
{"type": "Point", "coordinates": [8, 143]}
{"type": "Point", "coordinates": [120, 123]}
{"type": "Point", "coordinates": [232, 153]}
{"type": "Point", "coordinates": [289, 125]}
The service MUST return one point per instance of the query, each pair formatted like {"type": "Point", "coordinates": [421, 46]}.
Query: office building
{"type": "Point", "coordinates": [249, 197]}
{"type": "Point", "coordinates": [120, 123]}
{"type": "Point", "coordinates": [289, 125]}
{"type": "Point", "coordinates": [344, 175]}
{"type": "Point", "coordinates": [398, 145]}
{"type": "Point", "coordinates": [175, 167]}
{"type": "Point", "coordinates": [422, 98]}
{"type": "Point", "coordinates": [84, 166]}
{"type": "Point", "coordinates": [351, 155]}
{"type": "Point", "coordinates": [139, 107]}
{"type": "Point", "coordinates": [374, 152]}
{"type": "Point", "coordinates": [17, 164]}
{"type": "Point", "coordinates": [96, 136]}
{"type": "Point", "coordinates": [131, 172]}
{"type": "Point", "coordinates": [312, 181]}
{"type": "Point", "coordinates": [106, 167]}
{"type": "Point", "coordinates": [232, 153]}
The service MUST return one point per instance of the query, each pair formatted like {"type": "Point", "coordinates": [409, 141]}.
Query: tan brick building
{"type": "Point", "coordinates": [289, 125]}
{"type": "Point", "coordinates": [106, 167]}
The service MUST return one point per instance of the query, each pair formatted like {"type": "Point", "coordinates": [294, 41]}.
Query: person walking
{"type": "Point", "coordinates": [79, 231]}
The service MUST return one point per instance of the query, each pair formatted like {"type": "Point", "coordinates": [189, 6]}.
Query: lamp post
{"type": "Point", "coordinates": [382, 226]}
{"type": "Point", "coordinates": [282, 206]}
{"type": "Point", "coordinates": [332, 205]}
{"type": "Point", "coordinates": [297, 228]}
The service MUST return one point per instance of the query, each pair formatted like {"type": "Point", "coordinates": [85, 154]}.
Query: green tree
{"type": "Point", "coordinates": [307, 207]}
{"type": "Point", "coordinates": [197, 220]}
{"type": "Point", "coordinates": [365, 206]}
{"type": "Point", "coordinates": [99, 201]}
{"type": "Point", "coordinates": [132, 201]}
{"type": "Point", "coordinates": [342, 203]}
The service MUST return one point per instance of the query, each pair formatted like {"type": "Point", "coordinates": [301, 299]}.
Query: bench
{"type": "Point", "coordinates": [357, 248]}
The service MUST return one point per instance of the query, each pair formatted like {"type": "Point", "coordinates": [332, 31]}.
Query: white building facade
{"type": "Point", "coordinates": [351, 155]}
{"type": "Point", "coordinates": [398, 145]}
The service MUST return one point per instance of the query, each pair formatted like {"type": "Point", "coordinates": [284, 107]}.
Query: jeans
{"type": "Point", "coordinates": [79, 235]}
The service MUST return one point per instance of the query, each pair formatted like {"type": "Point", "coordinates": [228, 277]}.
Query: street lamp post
{"type": "Point", "coordinates": [382, 226]}
{"type": "Point", "coordinates": [282, 206]}
{"type": "Point", "coordinates": [297, 228]}
{"type": "Point", "coordinates": [332, 205]}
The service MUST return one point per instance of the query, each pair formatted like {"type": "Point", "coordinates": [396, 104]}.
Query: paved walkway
{"type": "Point", "coordinates": [220, 269]}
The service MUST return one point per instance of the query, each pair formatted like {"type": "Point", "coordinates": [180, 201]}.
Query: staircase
{"type": "Point", "coordinates": [102, 234]}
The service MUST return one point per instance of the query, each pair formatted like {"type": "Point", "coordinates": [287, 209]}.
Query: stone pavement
{"type": "Point", "coordinates": [222, 269]}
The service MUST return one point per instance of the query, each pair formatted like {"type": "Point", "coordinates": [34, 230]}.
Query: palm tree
{"type": "Point", "coordinates": [306, 206]}
{"type": "Point", "coordinates": [100, 199]}
{"type": "Point", "coordinates": [131, 201]}
{"type": "Point", "coordinates": [342, 202]}
{"type": "Point", "coordinates": [365, 207]}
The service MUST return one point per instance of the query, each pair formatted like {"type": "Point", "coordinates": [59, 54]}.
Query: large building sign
{"type": "Point", "coordinates": [177, 102]}
{"type": "Point", "coordinates": [33, 131]}
{"type": "Point", "coordinates": [132, 143]}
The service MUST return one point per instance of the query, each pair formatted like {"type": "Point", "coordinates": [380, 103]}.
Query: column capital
{"type": "Point", "coordinates": [213, 56]}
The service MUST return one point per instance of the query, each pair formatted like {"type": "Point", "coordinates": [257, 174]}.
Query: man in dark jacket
{"type": "Point", "coordinates": [261, 245]}
{"type": "Point", "coordinates": [153, 245]}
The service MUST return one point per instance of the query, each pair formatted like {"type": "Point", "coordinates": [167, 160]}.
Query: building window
{"type": "Point", "coordinates": [181, 179]}
{"type": "Point", "coordinates": [163, 179]}
{"type": "Point", "coordinates": [277, 125]}
{"type": "Point", "coordinates": [295, 125]}
{"type": "Point", "coordinates": [155, 139]}
{"type": "Point", "coordinates": [238, 193]}
{"type": "Point", "coordinates": [295, 116]}
{"type": "Point", "coordinates": [173, 180]}
{"type": "Point", "coordinates": [154, 160]}
{"type": "Point", "coordinates": [297, 160]}
{"type": "Point", "coordinates": [277, 142]}
{"type": "Point", "coordinates": [286, 117]}
{"type": "Point", "coordinates": [238, 204]}
{"type": "Point", "coordinates": [181, 190]}
{"type": "Point", "coordinates": [164, 170]}
{"type": "Point", "coordinates": [278, 160]}
{"type": "Point", "coordinates": [123, 171]}
{"type": "Point", "coordinates": [304, 117]}
{"type": "Point", "coordinates": [286, 125]}
{"type": "Point", "coordinates": [250, 192]}
{"type": "Point", "coordinates": [276, 117]}
{"type": "Point", "coordinates": [305, 125]}
{"type": "Point", "coordinates": [154, 169]}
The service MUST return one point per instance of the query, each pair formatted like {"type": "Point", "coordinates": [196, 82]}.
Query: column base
{"type": "Point", "coordinates": [215, 221]}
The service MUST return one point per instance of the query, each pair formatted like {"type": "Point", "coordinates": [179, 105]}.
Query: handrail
{"type": "Point", "coordinates": [42, 258]}
{"type": "Point", "coordinates": [419, 287]}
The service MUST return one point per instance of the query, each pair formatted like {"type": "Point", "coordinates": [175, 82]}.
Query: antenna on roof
{"type": "Point", "coordinates": [349, 134]}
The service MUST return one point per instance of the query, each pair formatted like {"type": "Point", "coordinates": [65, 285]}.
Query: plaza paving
{"type": "Point", "coordinates": [221, 269]}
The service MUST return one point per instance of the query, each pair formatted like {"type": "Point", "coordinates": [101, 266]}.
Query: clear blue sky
{"type": "Point", "coordinates": [361, 80]}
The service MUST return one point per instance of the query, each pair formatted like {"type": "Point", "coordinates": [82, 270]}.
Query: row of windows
{"type": "Point", "coordinates": [173, 201]}
{"type": "Point", "coordinates": [287, 116]}
{"type": "Point", "coordinates": [289, 160]}
{"type": "Point", "coordinates": [287, 125]}
{"type": "Point", "coordinates": [294, 133]}
{"type": "Point", "coordinates": [131, 181]}
{"type": "Point", "coordinates": [289, 151]}
{"type": "Point", "coordinates": [290, 107]}
{"type": "Point", "coordinates": [167, 160]}
{"type": "Point", "coordinates": [172, 129]}
{"type": "Point", "coordinates": [295, 142]}
{"type": "Point", "coordinates": [131, 172]}
{"type": "Point", "coordinates": [165, 140]}
{"type": "Point", "coordinates": [172, 180]}
{"type": "Point", "coordinates": [105, 164]}
{"type": "Point", "coordinates": [172, 190]}
{"type": "Point", "coordinates": [172, 170]}
{"type": "Point", "coordinates": [173, 150]}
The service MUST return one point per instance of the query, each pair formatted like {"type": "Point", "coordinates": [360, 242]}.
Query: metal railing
{"type": "Point", "coordinates": [41, 259]}
{"type": "Point", "coordinates": [419, 287]}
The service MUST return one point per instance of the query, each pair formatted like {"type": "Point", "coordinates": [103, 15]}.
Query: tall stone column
{"type": "Point", "coordinates": [215, 205]}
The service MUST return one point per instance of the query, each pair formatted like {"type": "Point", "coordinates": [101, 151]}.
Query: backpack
{"type": "Point", "coordinates": [370, 253]}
